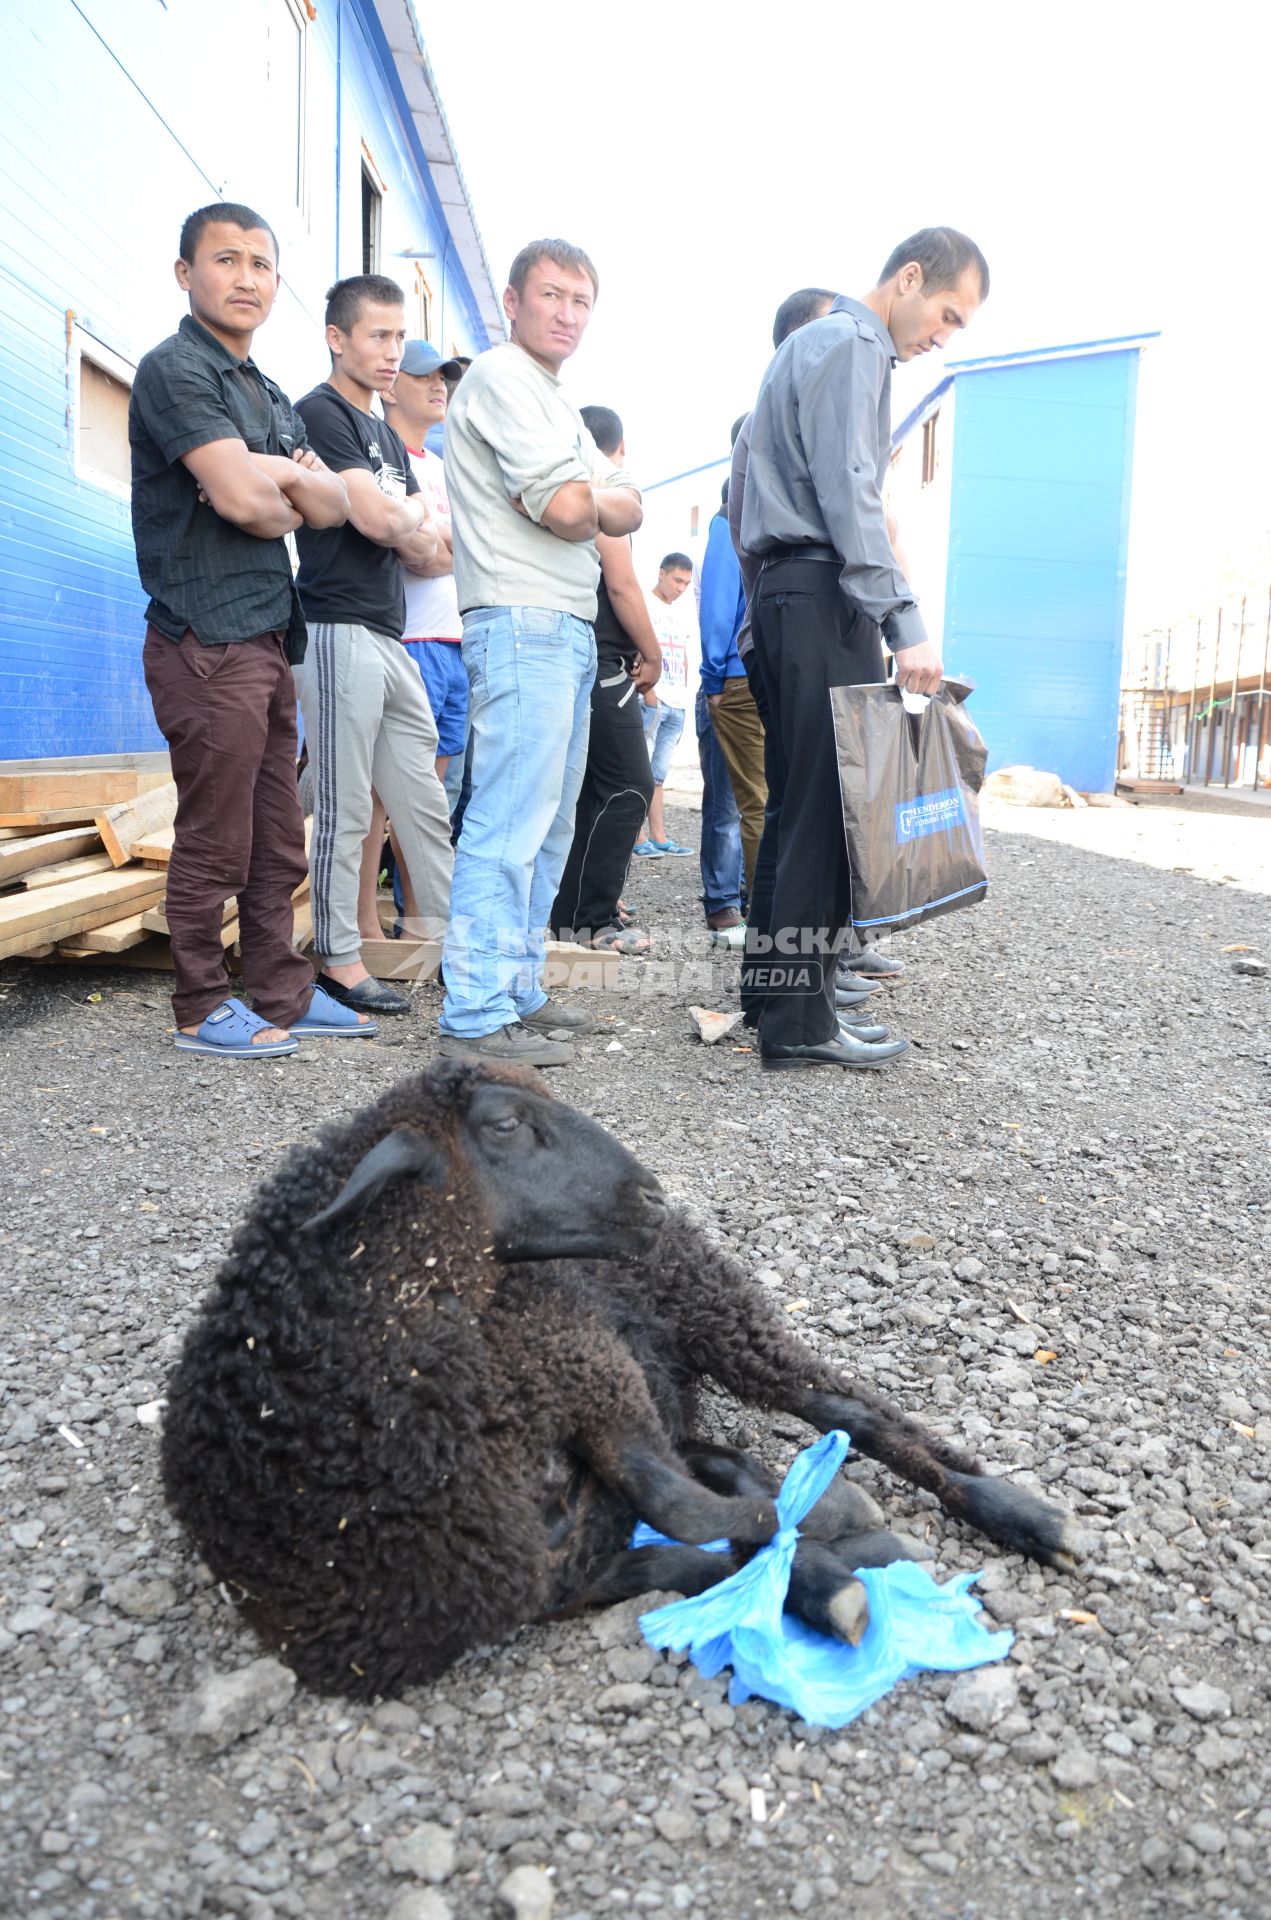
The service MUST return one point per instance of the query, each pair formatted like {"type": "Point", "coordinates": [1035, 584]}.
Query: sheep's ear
{"type": "Point", "coordinates": [400, 1155]}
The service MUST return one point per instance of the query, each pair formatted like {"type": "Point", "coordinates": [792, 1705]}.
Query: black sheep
{"type": "Point", "coordinates": [454, 1353]}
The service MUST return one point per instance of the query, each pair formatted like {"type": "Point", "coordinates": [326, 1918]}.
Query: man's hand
{"type": "Point", "coordinates": [649, 699]}
{"type": "Point", "coordinates": [713, 700]}
{"type": "Point", "coordinates": [645, 674]}
{"type": "Point", "coordinates": [919, 669]}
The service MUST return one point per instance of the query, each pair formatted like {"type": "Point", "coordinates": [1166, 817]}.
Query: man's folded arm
{"type": "Point", "coordinates": [239, 491]}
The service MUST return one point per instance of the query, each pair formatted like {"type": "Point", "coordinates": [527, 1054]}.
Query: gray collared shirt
{"type": "Point", "coordinates": [820, 441]}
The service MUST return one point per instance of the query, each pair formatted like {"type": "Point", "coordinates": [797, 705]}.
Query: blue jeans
{"type": "Point", "coordinates": [530, 671]}
{"type": "Point", "coordinates": [662, 731]}
{"type": "Point", "coordinates": [721, 857]}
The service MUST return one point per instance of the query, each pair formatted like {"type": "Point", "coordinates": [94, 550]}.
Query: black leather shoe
{"type": "Point", "coordinates": [368, 996]}
{"type": "Point", "coordinates": [863, 1030]}
{"type": "Point", "coordinates": [853, 996]}
{"type": "Point", "coordinates": [842, 1051]}
{"type": "Point", "coordinates": [871, 964]}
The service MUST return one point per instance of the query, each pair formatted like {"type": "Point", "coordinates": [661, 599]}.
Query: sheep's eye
{"type": "Point", "coordinates": [509, 1124]}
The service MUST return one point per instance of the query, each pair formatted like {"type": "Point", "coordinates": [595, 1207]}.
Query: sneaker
{"type": "Point", "coordinates": [647, 850]}
{"type": "Point", "coordinates": [514, 1045]}
{"type": "Point", "coordinates": [553, 1017]}
{"type": "Point", "coordinates": [732, 939]}
{"type": "Point", "coordinates": [669, 846]}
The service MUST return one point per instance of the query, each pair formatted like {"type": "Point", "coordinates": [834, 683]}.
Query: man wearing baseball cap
{"type": "Point", "coordinates": [433, 630]}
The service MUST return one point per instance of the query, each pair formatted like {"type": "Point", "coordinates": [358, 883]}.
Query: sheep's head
{"type": "Point", "coordinates": [550, 1183]}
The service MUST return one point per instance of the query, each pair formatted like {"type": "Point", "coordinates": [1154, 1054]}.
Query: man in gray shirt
{"type": "Point", "coordinates": [829, 592]}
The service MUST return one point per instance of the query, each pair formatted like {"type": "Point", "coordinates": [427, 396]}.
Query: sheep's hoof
{"type": "Point", "coordinates": [1015, 1516]}
{"type": "Point", "coordinates": [1071, 1543]}
{"type": "Point", "coordinates": [848, 1613]}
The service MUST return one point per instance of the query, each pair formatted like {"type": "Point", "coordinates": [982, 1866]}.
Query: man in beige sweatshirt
{"type": "Point", "coordinates": [529, 491]}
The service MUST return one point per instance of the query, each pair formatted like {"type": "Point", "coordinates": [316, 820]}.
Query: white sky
{"type": "Point", "coordinates": [713, 155]}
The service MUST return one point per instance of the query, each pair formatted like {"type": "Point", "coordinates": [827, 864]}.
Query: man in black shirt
{"type": "Point", "coordinates": [368, 724]}
{"type": "Point", "coordinates": [221, 473]}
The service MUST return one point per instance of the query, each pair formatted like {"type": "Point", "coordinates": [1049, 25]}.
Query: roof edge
{"type": "Point", "coordinates": [460, 215]}
{"type": "Point", "coordinates": [1026, 356]}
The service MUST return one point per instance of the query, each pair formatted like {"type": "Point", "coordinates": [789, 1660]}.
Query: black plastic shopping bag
{"type": "Point", "coordinates": [910, 783]}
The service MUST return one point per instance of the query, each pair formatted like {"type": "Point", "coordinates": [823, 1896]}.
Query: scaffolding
{"type": "Point", "coordinates": [1194, 701]}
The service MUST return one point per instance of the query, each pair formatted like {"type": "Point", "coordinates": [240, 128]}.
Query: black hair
{"type": "Point", "coordinates": [346, 299]}
{"type": "Point", "coordinates": [944, 255]}
{"type": "Point", "coordinates": [232, 214]}
{"type": "Point", "coordinates": [809, 303]}
{"type": "Point", "coordinates": [723, 496]}
{"type": "Point", "coordinates": [605, 428]}
{"type": "Point", "coordinates": [561, 253]}
{"type": "Point", "coordinates": [675, 562]}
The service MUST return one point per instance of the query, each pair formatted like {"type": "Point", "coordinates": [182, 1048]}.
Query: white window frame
{"type": "Point", "coordinates": [85, 347]}
{"type": "Point", "coordinates": [301, 14]}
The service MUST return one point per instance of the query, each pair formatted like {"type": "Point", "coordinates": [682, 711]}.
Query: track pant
{"type": "Point", "coordinates": [616, 791]}
{"type": "Point", "coordinates": [807, 639]}
{"type": "Point", "coordinates": [228, 715]}
{"type": "Point", "coordinates": [368, 724]}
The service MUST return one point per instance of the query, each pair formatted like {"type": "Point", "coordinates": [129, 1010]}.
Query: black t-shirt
{"type": "Point", "coordinates": [344, 577]}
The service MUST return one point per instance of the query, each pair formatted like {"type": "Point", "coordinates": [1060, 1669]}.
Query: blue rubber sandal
{"type": "Point", "coordinates": [326, 1019]}
{"type": "Point", "coordinates": [228, 1031]}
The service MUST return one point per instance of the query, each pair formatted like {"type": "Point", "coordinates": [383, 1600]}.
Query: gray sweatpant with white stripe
{"type": "Point", "coordinates": [368, 724]}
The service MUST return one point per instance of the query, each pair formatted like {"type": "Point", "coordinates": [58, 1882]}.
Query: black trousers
{"type": "Point", "coordinates": [807, 639]}
{"type": "Point", "coordinates": [616, 791]}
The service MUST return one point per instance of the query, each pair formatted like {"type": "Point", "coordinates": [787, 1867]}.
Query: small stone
{"type": "Point", "coordinates": [969, 1269]}
{"type": "Point", "coordinates": [712, 1027]}
{"type": "Point", "coordinates": [1203, 1702]}
{"type": "Point", "coordinates": [140, 1599]}
{"type": "Point", "coordinates": [33, 1619]}
{"type": "Point", "coordinates": [260, 1833]}
{"type": "Point", "coordinates": [1075, 1768]}
{"type": "Point", "coordinates": [27, 1533]}
{"type": "Point", "coordinates": [427, 1852]}
{"type": "Point", "coordinates": [1154, 1857]}
{"type": "Point", "coordinates": [802, 1896]}
{"type": "Point", "coordinates": [1257, 968]}
{"type": "Point", "coordinates": [419, 1903]}
{"type": "Point", "coordinates": [675, 1824]}
{"type": "Point", "coordinates": [228, 1705]}
{"type": "Point", "coordinates": [1204, 1837]}
{"type": "Point", "coordinates": [527, 1894]}
{"type": "Point", "coordinates": [982, 1697]}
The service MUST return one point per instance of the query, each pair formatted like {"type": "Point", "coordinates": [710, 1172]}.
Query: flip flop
{"type": "Point", "coordinates": [625, 940]}
{"type": "Point", "coordinates": [228, 1031]}
{"type": "Point", "coordinates": [326, 1019]}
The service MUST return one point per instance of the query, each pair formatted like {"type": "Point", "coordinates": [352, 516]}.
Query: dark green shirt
{"type": "Point", "coordinates": [202, 571]}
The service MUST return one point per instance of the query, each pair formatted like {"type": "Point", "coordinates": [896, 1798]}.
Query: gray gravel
{"type": "Point", "coordinates": [1072, 1162]}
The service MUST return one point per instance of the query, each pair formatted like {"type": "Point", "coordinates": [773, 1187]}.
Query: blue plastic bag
{"type": "Point", "coordinates": [914, 1624]}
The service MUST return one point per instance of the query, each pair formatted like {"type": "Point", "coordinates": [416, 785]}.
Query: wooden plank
{"type": "Point", "coordinates": [156, 848]}
{"type": "Point", "coordinates": [90, 787]}
{"type": "Point", "coordinates": [68, 870]}
{"type": "Point", "coordinates": [115, 937]}
{"type": "Point", "coordinates": [57, 913]}
{"type": "Point", "coordinates": [36, 817]}
{"type": "Point", "coordinates": [122, 827]}
{"type": "Point", "coordinates": [565, 964]}
{"type": "Point", "coordinates": [19, 856]}
{"type": "Point", "coordinates": [153, 953]}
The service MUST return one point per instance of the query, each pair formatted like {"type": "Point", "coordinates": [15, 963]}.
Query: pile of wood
{"type": "Point", "coordinates": [84, 850]}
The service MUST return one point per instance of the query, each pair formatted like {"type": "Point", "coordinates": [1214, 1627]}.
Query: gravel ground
{"type": "Point", "coordinates": [1046, 1231]}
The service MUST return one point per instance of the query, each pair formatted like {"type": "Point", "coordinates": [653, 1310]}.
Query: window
{"type": "Point", "coordinates": [694, 521]}
{"type": "Point", "coordinates": [287, 72]}
{"type": "Point", "coordinates": [373, 185]}
{"type": "Point", "coordinates": [423, 295]}
{"type": "Point", "coordinates": [929, 449]}
{"type": "Point", "coordinates": [102, 386]}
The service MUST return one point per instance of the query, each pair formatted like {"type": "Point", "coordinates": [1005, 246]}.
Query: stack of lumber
{"type": "Point", "coordinates": [84, 848]}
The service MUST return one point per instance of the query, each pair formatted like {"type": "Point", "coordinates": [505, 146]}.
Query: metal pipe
{"type": "Point", "coordinates": [1232, 736]}
{"type": "Point", "coordinates": [1189, 757]}
{"type": "Point", "coordinates": [1167, 725]}
{"type": "Point", "coordinates": [1213, 690]}
{"type": "Point", "coordinates": [1262, 692]}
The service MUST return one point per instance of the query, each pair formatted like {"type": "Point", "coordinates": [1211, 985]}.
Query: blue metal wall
{"type": "Point", "coordinates": [117, 117]}
{"type": "Point", "coordinates": [1039, 528]}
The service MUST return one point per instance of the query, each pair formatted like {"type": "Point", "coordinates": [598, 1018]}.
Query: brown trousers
{"type": "Point", "coordinates": [228, 715]}
{"type": "Point", "coordinates": [739, 730]}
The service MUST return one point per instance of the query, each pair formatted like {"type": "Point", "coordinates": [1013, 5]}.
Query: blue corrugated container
{"type": "Point", "coordinates": [1012, 480]}
{"type": "Point", "coordinates": [115, 122]}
